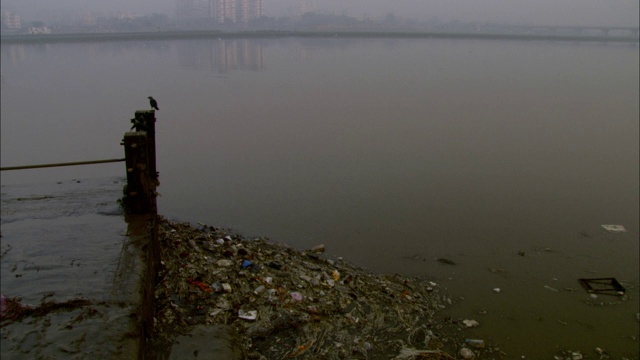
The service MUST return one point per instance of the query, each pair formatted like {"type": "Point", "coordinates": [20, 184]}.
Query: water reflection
{"type": "Point", "coordinates": [221, 55]}
{"type": "Point", "coordinates": [14, 53]}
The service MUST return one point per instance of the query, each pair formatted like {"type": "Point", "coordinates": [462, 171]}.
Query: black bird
{"type": "Point", "coordinates": [153, 102]}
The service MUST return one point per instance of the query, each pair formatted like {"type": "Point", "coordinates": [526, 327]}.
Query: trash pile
{"type": "Point", "coordinates": [286, 303]}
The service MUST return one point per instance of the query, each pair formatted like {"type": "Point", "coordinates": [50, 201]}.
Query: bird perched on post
{"type": "Point", "coordinates": [153, 102]}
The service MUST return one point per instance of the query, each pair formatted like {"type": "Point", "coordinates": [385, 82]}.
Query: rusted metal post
{"type": "Point", "coordinates": [140, 156]}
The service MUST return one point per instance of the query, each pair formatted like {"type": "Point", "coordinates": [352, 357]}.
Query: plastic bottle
{"type": "Point", "coordinates": [476, 343]}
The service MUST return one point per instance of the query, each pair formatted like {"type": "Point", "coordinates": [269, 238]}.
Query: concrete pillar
{"type": "Point", "coordinates": [140, 156]}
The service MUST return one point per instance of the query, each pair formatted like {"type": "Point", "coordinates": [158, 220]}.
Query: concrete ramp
{"type": "Point", "coordinates": [76, 269]}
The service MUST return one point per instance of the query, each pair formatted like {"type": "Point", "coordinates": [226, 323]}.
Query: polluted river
{"type": "Point", "coordinates": [281, 302]}
{"type": "Point", "coordinates": [461, 188]}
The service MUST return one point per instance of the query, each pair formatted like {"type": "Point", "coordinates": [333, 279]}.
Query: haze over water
{"type": "Point", "coordinates": [391, 152]}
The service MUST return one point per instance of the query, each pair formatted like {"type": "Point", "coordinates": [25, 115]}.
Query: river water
{"type": "Point", "coordinates": [505, 157]}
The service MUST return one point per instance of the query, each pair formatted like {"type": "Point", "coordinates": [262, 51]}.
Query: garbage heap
{"type": "Point", "coordinates": [286, 303]}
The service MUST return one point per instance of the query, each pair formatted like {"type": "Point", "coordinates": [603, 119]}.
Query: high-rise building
{"type": "Point", "coordinates": [225, 11]}
{"type": "Point", "coordinates": [10, 20]}
{"type": "Point", "coordinates": [248, 10]}
{"type": "Point", "coordinates": [221, 11]}
{"type": "Point", "coordinates": [306, 6]}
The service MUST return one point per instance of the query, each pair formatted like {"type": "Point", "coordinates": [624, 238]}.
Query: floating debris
{"type": "Point", "coordinates": [607, 286]}
{"type": "Point", "coordinates": [225, 263]}
{"type": "Point", "coordinates": [309, 307]}
{"type": "Point", "coordinates": [445, 261]}
{"type": "Point", "coordinates": [476, 343]}
{"type": "Point", "coordinates": [247, 315]}
{"type": "Point", "coordinates": [470, 323]}
{"type": "Point", "coordinates": [226, 287]}
{"type": "Point", "coordinates": [203, 287]}
{"type": "Point", "coordinates": [318, 249]}
{"type": "Point", "coordinates": [467, 354]}
{"type": "Point", "coordinates": [14, 310]}
{"type": "Point", "coordinates": [296, 296]}
{"type": "Point", "coordinates": [615, 228]}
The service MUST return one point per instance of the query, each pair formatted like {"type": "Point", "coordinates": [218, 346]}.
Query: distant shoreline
{"type": "Point", "coordinates": [216, 34]}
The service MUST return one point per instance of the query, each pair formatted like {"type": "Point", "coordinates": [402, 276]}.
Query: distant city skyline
{"type": "Point", "coordinates": [234, 11]}
{"type": "Point", "coordinates": [540, 12]}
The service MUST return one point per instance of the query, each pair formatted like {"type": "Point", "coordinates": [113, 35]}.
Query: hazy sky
{"type": "Point", "coordinates": [538, 12]}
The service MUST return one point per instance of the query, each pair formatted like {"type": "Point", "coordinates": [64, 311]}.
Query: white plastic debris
{"type": "Point", "coordinates": [615, 228]}
{"type": "Point", "coordinates": [224, 263]}
{"type": "Point", "coordinates": [477, 343]}
{"type": "Point", "coordinates": [193, 245]}
{"type": "Point", "coordinates": [470, 323]}
{"type": "Point", "coordinates": [467, 354]}
{"type": "Point", "coordinates": [496, 290]}
{"type": "Point", "coordinates": [226, 287]}
{"type": "Point", "coordinates": [248, 315]}
{"type": "Point", "coordinates": [550, 288]}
